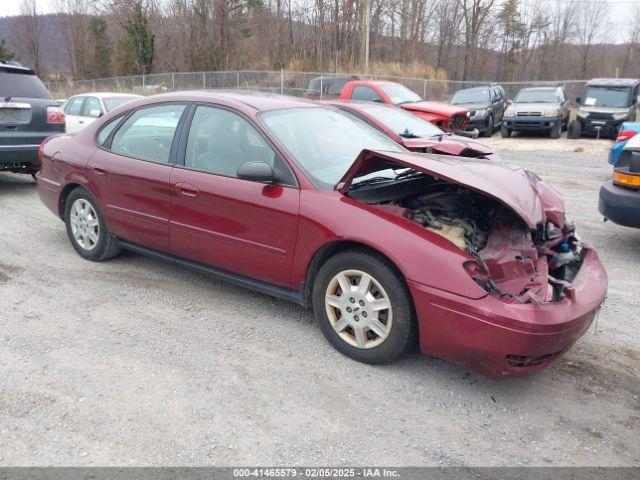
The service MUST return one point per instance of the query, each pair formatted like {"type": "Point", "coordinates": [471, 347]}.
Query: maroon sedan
{"type": "Point", "coordinates": [471, 260]}
{"type": "Point", "coordinates": [413, 133]}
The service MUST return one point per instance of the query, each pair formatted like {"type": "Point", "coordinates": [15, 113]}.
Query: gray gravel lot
{"type": "Point", "coordinates": [138, 362]}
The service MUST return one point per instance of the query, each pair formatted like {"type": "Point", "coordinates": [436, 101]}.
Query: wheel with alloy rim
{"type": "Point", "coordinates": [363, 307]}
{"type": "Point", "coordinates": [86, 229]}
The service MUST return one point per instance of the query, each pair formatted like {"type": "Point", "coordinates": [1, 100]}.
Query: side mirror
{"type": "Point", "coordinates": [256, 172]}
{"type": "Point", "coordinates": [95, 113]}
{"type": "Point", "coordinates": [578, 100]}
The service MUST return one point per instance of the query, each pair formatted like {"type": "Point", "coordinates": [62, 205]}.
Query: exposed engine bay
{"type": "Point", "coordinates": [508, 259]}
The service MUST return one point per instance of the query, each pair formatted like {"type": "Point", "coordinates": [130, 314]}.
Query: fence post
{"type": "Point", "coordinates": [117, 85]}
{"type": "Point", "coordinates": [204, 80]}
{"type": "Point", "coordinates": [143, 83]}
{"type": "Point", "coordinates": [320, 86]}
{"type": "Point", "coordinates": [281, 81]}
{"type": "Point", "coordinates": [238, 79]}
{"type": "Point", "coordinates": [94, 85]}
{"type": "Point", "coordinates": [173, 82]}
{"type": "Point", "coordinates": [424, 93]}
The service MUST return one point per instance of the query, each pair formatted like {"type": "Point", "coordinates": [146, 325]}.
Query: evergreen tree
{"type": "Point", "coordinates": [100, 48]}
{"type": "Point", "coordinates": [5, 53]}
{"type": "Point", "coordinates": [141, 39]}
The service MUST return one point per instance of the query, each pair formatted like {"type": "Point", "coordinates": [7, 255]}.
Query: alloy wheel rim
{"type": "Point", "coordinates": [359, 309]}
{"type": "Point", "coordinates": [85, 226]}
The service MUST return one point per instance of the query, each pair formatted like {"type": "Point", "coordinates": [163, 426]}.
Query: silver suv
{"type": "Point", "coordinates": [543, 109]}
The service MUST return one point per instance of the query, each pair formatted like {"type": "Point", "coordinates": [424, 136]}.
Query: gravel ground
{"type": "Point", "coordinates": [137, 362]}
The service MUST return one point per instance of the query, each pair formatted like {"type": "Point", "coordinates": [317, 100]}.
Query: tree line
{"type": "Point", "coordinates": [503, 40]}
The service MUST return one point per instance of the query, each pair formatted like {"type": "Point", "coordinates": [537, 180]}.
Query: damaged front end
{"type": "Point", "coordinates": [510, 225]}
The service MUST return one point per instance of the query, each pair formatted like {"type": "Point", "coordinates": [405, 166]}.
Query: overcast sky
{"type": "Point", "coordinates": [619, 11]}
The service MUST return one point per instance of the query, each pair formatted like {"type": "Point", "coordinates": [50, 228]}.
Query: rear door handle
{"type": "Point", "coordinates": [187, 190]}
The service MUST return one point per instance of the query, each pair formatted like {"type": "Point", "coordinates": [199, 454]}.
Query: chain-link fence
{"type": "Point", "coordinates": [312, 84]}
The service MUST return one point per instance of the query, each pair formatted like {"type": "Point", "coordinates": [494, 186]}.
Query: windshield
{"type": "Point", "coordinates": [323, 141]}
{"type": "Point", "coordinates": [536, 96]}
{"type": "Point", "coordinates": [399, 94]}
{"type": "Point", "coordinates": [400, 121]}
{"type": "Point", "coordinates": [114, 102]}
{"type": "Point", "coordinates": [25, 85]}
{"type": "Point", "coordinates": [606, 97]}
{"type": "Point", "coordinates": [471, 96]}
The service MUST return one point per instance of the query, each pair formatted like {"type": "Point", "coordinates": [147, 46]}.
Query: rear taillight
{"type": "Point", "coordinates": [624, 135]}
{"type": "Point", "coordinates": [55, 115]}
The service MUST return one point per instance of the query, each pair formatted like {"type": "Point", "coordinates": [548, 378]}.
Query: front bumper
{"type": "Point", "coordinates": [531, 123]}
{"type": "Point", "coordinates": [500, 340]}
{"type": "Point", "coordinates": [602, 127]}
{"type": "Point", "coordinates": [620, 205]}
{"type": "Point", "coordinates": [478, 123]}
{"type": "Point", "coordinates": [18, 158]}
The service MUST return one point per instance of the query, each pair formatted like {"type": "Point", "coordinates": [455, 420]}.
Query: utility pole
{"type": "Point", "coordinates": [364, 35]}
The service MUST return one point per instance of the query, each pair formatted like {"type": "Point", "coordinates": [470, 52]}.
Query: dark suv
{"type": "Point", "coordinates": [28, 115]}
{"type": "Point", "coordinates": [604, 105]}
{"type": "Point", "coordinates": [487, 106]}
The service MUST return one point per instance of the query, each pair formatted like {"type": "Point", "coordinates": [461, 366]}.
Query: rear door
{"type": "Point", "coordinates": [245, 227]}
{"type": "Point", "coordinates": [130, 173]}
{"type": "Point", "coordinates": [73, 111]}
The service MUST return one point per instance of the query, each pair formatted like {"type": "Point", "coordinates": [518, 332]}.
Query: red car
{"type": "Point", "coordinates": [450, 118]}
{"type": "Point", "coordinates": [412, 132]}
{"type": "Point", "coordinates": [469, 259]}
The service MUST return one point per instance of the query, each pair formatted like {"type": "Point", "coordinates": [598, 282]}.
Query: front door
{"type": "Point", "coordinates": [245, 227]}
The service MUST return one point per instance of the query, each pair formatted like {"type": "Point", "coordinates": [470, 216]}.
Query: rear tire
{"type": "Point", "coordinates": [490, 127]}
{"type": "Point", "coordinates": [575, 129]}
{"type": "Point", "coordinates": [87, 229]}
{"type": "Point", "coordinates": [505, 132]}
{"type": "Point", "coordinates": [372, 322]}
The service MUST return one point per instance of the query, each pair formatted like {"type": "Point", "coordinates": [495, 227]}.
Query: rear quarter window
{"type": "Point", "coordinates": [21, 85]}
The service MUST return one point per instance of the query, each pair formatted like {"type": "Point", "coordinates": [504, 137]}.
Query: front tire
{"type": "Point", "coordinates": [490, 127]}
{"type": "Point", "coordinates": [364, 308]}
{"type": "Point", "coordinates": [87, 229]}
{"type": "Point", "coordinates": [505, 132]}
{"type": "Point", "coordinates": [556, 130]}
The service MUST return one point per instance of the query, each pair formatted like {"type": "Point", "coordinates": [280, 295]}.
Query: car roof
{"type": "Point", "coordinates": [481, 87]}
{"type": "Point", "coordinates": [260, 101]}
{"type": "Point", "coordinates": [107, 94]}
{"type": "Point", "coordinates": [16, 68]}
{"type": "Point", "coordinates": [613, 82]}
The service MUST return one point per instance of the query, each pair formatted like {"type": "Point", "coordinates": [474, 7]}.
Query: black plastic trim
{"type": "Point", "coordinates": [295, 296]}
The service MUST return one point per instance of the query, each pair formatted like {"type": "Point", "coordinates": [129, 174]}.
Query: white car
{"type": "Point", "coordinates": [81, 110]}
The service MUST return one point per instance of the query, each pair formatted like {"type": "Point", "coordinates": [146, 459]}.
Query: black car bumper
{"type": "Point", "coordinates": [19, 158]}
{"type": "Point", "coordinates": [603, 127]}
{"type": "Point", "coordinates": [531, 123]}
{"type": "Point", "coordinates": [620, 205]}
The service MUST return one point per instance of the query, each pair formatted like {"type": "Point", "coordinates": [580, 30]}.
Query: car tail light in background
{"type": "Point", "coordinates": [624, 135]}
{"type": "Point", "coordinates": [55, 115]}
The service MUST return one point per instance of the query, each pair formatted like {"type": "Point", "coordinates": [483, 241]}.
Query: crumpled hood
{"type": "Point", "coordinates": [440, 108]}
{"type": "Point", "coordinates": [518, 189]}
{"type": "Point", "coordinates": [449, 145]}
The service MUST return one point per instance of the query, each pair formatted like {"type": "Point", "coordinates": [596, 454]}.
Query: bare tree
{"type": "Point", "coordinates": [26, 32]}
{"type": "Point", "coordinates": [591, 24]}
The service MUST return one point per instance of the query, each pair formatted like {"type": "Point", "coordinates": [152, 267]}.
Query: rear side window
{"type": "Point", "coordinates": [74, 106]}
{"type": "Point", "coordinates": [27, 85]}
{"type": "Point", "coordinates": [365, 93]}
{"type": "Point", "coordinates": [148, 133]}
{"type": "Point", "coordinates": [107, 129]}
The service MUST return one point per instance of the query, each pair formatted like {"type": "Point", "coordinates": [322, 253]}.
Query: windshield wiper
{"type": "Point", "coordinates": [405, 102]}
{"type": "Point", "coordinates": [370, 181]}
{"type": "Point", "coordinates": [440, 135]}
{"type": "Point", "coordinates": [408, 134]}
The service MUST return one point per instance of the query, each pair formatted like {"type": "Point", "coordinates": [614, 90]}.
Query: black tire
{"type": "Point", "coordinates": [575, 129]}
{"type": "Point", "coordinates": [490, 127]}
{"type": "Point", "coordinates": [401, 337]}
{"type": "Point", "coordinates": [556, 130]}
{"type": "Point", "coordinates": [505, 132]}
{"type": "Point", "coordinates": [106, 245]}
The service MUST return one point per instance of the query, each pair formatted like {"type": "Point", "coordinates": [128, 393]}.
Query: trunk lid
{"type": "Point", "coordinates": [514, 187]}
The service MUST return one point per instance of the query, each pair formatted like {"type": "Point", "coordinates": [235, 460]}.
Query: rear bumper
{"type": "Point", "coordinates": [620, 205]}
{"type": "Point", "coordinates": [501, 340]}
{"type": "Point", "coordinates": [530, 123]}
{"type": "Point", "coordinates": [19, 157]}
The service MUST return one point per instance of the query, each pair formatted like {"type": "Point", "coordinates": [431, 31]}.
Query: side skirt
{"type": "Point", "coordinates": [295, 296]}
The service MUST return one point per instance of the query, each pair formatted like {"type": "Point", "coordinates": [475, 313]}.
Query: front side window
{"type": "Point", "coordinates": [365, 93]}
{"type": "Point", "coordinates": [221, 141]}
{"type": "Point", "coordinates": [91, 103]}
{"type": "Point", "coordinates": [303, 132]}
{"type": "Point", "coordinates": [148, 133]}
